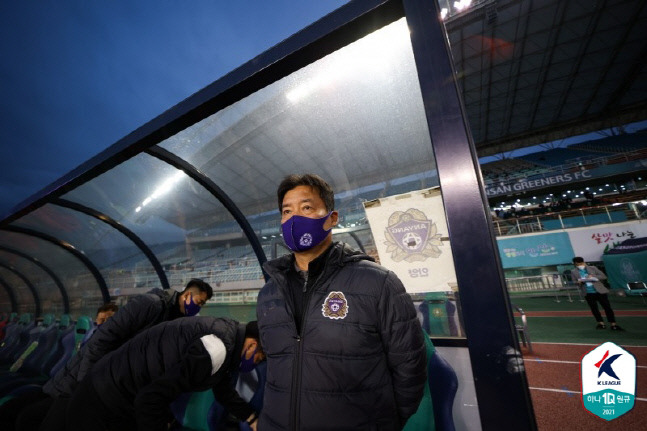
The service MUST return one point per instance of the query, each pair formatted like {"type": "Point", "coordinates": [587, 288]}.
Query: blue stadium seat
{"type": "Point", "coordinates": [61, 347]}
{"type": "Point", "coordinates": [443, 384]}
{"type": "Point", "coordinates": [83, 325]}
{"type": "Point", "coordinates": [16, 336]}
{"type": "Point", "coordinates": [436, 406]}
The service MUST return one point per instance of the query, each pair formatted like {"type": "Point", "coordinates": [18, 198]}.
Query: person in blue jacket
{"type": "Point", "coordinates": [344, 347]}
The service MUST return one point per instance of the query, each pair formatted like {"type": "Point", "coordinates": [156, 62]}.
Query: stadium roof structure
{"type": "Point", "coordinates": [537, 71]}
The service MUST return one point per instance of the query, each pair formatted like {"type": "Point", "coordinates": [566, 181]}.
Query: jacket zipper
{"type": "Point", "coordinates": [296, 379]}
{"type": "Point", "coordinates": [296, 376]}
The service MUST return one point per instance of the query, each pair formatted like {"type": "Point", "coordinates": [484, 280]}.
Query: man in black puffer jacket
{"type": "Point", "coordinates": [140, 312]}
{"type": "Point", "coordinates": [344, 346]}
{"type": "Point", "coordinates": [132, 387]}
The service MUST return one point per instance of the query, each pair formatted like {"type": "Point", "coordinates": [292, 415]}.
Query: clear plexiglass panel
{"type": "Point", "coordinates": [178, 219]}
{"type": "Point", "coordinates": [46, 288]}
{"type": "Point", "coordinates": [355, 117]}
{"type": "Point", "coordinates": [81, 286]}
{"type": "Point", "coordinates": [114, 254]}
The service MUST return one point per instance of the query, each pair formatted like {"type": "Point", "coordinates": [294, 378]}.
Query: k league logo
{"type": "Point", "coordinates": [608, 381]}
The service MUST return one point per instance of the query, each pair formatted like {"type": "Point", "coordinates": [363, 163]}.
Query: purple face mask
{"type": "Point", "coordinates": [247, 365]}
{"type": "Point", "coordinates": [302, 233]}
{"type": "Point", "coordinates": [191, 308]}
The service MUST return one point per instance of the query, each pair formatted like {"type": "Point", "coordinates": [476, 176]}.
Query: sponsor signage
{"type": "Point", "coordinates": [535, 250]}
{"type": "Point", "coordinates": [608, 381]}
{"type": "Point", "coordinates": [592, 242]}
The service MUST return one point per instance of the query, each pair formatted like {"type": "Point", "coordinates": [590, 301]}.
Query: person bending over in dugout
{"type": "Point", "coordinates": [345, 349]}
{"type": "Point", "coordinates": [105, 312]}
{"type": "Point", "coordinates": [140, 312]}
{"type": "Point", "coordinates": [132, 387]}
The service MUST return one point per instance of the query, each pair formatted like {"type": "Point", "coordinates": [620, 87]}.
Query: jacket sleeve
{"type": "Point", "coordinates": [139, 313]}
{"type": "Point", "coordinates": [225, 394]}
{"type": "Point", "coordinates": [404, 345]}
{"type": "Point", "coordinates": [597, 272]}
{"type": "Point", "coordinates": [193, 372]}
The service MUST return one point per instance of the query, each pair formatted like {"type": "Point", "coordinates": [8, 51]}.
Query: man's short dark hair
{"type": "Point", "coordinates": [315, 181]}
{"type": "Point", "coordinates": [202, 285]}
{"type": "Point", "coordinates": [109, 306]}
{"type": "Point", "coordinates": [251, 330]}
{"type": "Point", "coordinates": [577, 260]}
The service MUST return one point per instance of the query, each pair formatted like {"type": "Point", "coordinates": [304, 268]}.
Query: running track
{"type": "Point", "coordinates": [553, 371]}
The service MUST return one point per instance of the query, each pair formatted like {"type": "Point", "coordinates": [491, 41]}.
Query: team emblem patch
{"type": "Point", "coordinates": [305, 240]}
{"type": "Point", "coordinates": [335, 306]}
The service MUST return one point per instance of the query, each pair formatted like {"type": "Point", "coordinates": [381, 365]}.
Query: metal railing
{"type": "Point", "coordinates": [545, 284]}
{"type": "Point", "coordinates": [569, 218]}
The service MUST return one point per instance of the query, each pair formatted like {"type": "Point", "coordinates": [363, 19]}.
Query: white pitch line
{"type": "Point", "coordinates": [565, 362]}
{"type": "Point", "coordinates": [582, 344]}
{"type": "Point", "coordinates": [570, 392]}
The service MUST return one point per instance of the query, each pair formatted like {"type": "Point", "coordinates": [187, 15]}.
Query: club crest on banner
{"type": "Point", "coordinates": [412, 237]}
{"type": "Point", "coordinates": [608, 381]}
{"type": "Point", "coordinates": [335, 306]}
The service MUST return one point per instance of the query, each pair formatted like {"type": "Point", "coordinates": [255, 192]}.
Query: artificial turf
{"type": "Point", "coordinates": [581, 329]}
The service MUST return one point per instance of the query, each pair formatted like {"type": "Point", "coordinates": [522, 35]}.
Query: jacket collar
{"type": "Point", "coordinates": [336, 257]}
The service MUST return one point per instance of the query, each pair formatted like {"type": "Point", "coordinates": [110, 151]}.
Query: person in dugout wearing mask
{"type": "Point", "coordinates": [131, 388]}
{"type": "Point", "coordinates": [139, 313]}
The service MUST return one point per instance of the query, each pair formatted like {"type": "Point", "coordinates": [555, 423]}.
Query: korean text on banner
{"type": "Point", "coordinates": [410, 232]}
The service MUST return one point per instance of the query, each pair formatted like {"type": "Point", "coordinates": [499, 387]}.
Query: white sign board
{"type": "Point", "coordinates": [411, 236]}
{"type": "Point", "coordinates": [591, 242]}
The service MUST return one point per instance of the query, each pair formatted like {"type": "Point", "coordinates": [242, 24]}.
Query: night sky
{"type": "Point", "coordinates": [76, 76]}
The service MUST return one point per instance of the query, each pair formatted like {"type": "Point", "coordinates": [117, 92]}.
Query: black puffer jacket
{"type": "Point", "coordinates": [359, 362]}
{"type": "Point", "coordinates": [141, 378]}
{"type": "Point", "coordinates": [140, 313]}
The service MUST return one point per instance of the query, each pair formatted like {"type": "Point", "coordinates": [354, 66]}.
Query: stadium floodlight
{"type": "Point", "coordinates": [461, 5]}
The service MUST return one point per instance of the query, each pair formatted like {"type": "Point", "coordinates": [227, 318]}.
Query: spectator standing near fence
{"type": "Point", "coordinates": [588, 278]}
